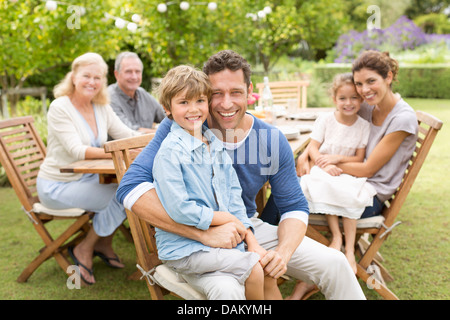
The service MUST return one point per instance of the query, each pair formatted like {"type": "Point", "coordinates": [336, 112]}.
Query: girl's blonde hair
{"type": "Point", "coordinates": [179, 79]}
{"type": "Point", "coordinates": [339, 81]}
{"type": "Point", "coordinates": [66, 87]}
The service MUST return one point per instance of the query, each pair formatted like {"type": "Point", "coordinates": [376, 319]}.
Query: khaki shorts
{"type": "Point", "coordinates": [217, 262]}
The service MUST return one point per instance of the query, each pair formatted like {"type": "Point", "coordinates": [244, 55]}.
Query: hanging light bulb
{"type": "Point", "coordinates": [135, 18]}
{"type": "Point", "coordinates": [132, 26]}
{"type": "Point", "coordinates": [120, 23]}
{"type": "Point", "coordinates": [184, 5]}
{"type": "Point", "coordinates": [51, 5]}
{"type": "Point", "coordinates": [267, 10]}
{"type": "Point", "coordinates": [212, 6]}
{"type": "Point", "coordinates": [162, 7]}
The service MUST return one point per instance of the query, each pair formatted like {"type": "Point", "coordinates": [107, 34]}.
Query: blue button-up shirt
{"type": "Point", "coordinates": [192, 182]}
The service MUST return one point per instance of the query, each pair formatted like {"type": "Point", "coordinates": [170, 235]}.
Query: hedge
{"type": "Point", "coordinates": [430, 81]}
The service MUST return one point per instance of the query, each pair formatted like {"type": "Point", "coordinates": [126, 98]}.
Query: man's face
{"type": "Point", "coordinates": [129, 77]}
{"type": "Point", "coordinates": [229, 99]}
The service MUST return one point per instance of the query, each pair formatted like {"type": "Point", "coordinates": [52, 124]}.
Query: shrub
{"type": "Point", "coordinates": [414, 81]}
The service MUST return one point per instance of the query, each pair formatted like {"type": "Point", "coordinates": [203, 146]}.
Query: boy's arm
{"type": "Point", "coordinates": [222, 217]}
{"type": "Point", "coordinates": [253, 245]}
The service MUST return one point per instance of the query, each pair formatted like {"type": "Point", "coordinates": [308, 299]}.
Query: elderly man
{"type": "Point", "coordinates": [134, 106]}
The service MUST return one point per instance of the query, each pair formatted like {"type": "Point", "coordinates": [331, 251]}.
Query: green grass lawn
{"type": "Point", "coordinates": [417, 253]}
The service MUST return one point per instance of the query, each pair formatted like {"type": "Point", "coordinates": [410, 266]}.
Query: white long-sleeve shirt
{"type": "Point", "coordinates": [68, 137]}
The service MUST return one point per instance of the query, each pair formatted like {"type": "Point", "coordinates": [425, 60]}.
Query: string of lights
{"type": "Point", "coordinates": [162, 8]}
{"type": "Point", "coordinates": [132, 25]}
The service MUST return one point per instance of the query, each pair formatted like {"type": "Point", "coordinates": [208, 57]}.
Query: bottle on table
{"type": "Point", "coordinates": [267, 103]}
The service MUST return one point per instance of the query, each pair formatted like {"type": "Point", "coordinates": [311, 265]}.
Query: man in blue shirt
{"type": "Point", "coordinates": [260, 153]}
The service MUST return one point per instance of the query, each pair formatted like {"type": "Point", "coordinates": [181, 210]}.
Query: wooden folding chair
{"type": "Point", "coordinates": [282, 91]}
{"type": "Point", "coordinates": [160, 279]}
{"type": "Point", "coordinates": [21, 154]}
{"type": "Point", "coordinates": [381, 226]}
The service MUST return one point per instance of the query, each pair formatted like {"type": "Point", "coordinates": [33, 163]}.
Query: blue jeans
{"type": "Point", "coordinates": [374, 210]}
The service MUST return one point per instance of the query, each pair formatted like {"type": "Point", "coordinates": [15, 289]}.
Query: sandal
{"type": "Point", "coordinates": [79, 264]}
{"type": "Point", "coordinates": [107, 260]}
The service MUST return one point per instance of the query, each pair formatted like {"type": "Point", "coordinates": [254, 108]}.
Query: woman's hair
{"type": "Point", "coordinates": [341, 80]}
{"type": "Point", "coordinates": [379, 62]}
{"type": "Point", "coordinates": [228, 59]}
{"type": "Point", "coordinates": [66, 87]}
{"type": "Point", "coordinates": [181, 78]}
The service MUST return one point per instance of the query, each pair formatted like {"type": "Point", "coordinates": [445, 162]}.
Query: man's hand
{"type": "Point", "coordinates": [273, 264]}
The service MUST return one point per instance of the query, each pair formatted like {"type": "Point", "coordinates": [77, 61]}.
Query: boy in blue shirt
{"type": "Point", "coordinates": [197, 185]}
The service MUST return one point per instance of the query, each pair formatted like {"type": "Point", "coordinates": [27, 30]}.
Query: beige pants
{"type": "Point", "coordinates": [312, 262]}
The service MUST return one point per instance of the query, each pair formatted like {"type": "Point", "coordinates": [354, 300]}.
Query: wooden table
{"type": "Point", "coordinates": [105, 167]}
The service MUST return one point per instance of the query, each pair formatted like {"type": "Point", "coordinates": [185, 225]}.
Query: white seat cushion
{"type": "Point", "coordinates": [72, 212]}
{"type": "Point", "coordinates": [170, 280]}
{"type": "Point", "coordinates": [372, 222]}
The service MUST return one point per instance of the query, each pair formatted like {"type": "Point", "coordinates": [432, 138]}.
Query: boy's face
{"type": "Point", "coordinates": [189, 114]}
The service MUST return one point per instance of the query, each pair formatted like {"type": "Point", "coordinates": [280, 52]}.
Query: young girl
{"type": "Point", "coordinates": [197, 185]}
{"type": "Point", "coordinates": [339, 137]}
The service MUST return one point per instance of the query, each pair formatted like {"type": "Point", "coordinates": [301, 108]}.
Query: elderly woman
{"type": "Point", "coordinates": [79, 122]}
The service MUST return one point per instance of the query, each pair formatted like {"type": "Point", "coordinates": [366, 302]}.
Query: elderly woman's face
{"type": "Point", "coordinates": [88, 80]}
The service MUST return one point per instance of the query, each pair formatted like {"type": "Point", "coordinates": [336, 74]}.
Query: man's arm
{"type": "Point", "coordinates": [291, 232]}
{"type": "Point", "coordinates": [294, 210]}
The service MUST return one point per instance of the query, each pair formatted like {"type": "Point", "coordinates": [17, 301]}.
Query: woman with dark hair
{"type": "Point", "coordinates": [392, 138]}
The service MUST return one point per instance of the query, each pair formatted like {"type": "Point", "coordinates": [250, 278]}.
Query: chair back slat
{"type": "Point", "coordinates": [282, 91]}
{"type": "Point", "coordinates": [428, 128]}
{"type": "Point", "coordinates": [22, 152]}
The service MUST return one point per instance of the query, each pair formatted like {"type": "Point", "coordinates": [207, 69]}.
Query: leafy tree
{"type": "Point", "coordinates": [34, 40]}
{"type": "Point", "coordinates": [434, 23]}
{"type": "Point", "coordinates": [318, 23]}
{"type": "Point", "coordinates": [420, 7]}
{"type": "Point", "coordinates": [190, 36]}
{"type": "Point", "coordinates": [176, 36]}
